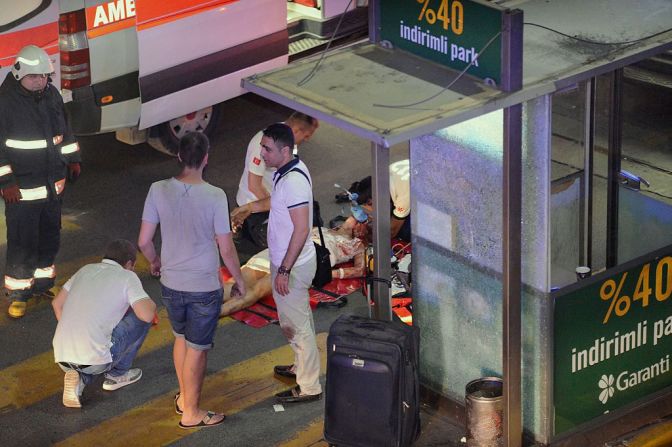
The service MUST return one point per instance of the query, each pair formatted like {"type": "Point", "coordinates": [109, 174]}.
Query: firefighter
{"type": "Point", "coordinates": [37, 153]}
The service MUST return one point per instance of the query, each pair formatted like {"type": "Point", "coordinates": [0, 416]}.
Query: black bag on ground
{"type": "Point", "coordinates": [323, 271]}
{"type": "Point", "coordinates": [372, 390]}
{"type": "Point", "coordinates": [255, 228]}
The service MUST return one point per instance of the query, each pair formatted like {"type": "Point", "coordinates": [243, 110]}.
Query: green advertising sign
{"type": "Point", "coordinates": [450, 32]}
{"type": "Point", "coordinates": [612, 341]}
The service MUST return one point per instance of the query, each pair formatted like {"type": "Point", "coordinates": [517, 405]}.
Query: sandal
{"type": "Point", "coordinates": [178, 410]}
{"type": "Point", "coordinates": [204, 422]}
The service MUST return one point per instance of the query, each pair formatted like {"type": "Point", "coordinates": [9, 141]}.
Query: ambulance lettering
{"type": "Point", "coordinates": [113, 11]}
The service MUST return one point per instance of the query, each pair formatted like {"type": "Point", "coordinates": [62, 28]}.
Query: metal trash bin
{"type": "Point", "coordinates": [484, 412]}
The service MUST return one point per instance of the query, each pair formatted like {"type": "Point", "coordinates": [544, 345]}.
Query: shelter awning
{"type": "Point", "coordinates": [388, 96]}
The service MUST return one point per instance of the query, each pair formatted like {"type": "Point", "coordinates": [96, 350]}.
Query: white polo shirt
{"type": "Point", "coordinates": [291, 190]}
{"type": "Point", "coordinates": [400, 188]}
{"type": "Point", "coordinates": [255, 164]}
{"type": "Point", "coordinates": [98, 297]}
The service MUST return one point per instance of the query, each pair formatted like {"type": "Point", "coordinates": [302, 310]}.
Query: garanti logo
{"type": "Point", "coordinates": [606, 384]}
{"type": "Point", "coordinates": [627, 380]}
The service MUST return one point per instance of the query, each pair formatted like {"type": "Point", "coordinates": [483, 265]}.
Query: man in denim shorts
{"type": "Point", "coordinates": [195, 230]}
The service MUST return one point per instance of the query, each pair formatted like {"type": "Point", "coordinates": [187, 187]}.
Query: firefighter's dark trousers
{"type": "Point", "coordinates": [33, 239]}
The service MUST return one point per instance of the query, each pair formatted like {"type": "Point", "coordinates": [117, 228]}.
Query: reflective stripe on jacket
{"type": "Point", "coordinates": [36, 142]}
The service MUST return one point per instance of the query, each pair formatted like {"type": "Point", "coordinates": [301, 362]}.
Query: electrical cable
{"type": "Point", "coordinates": [627, 42]}
{"type": "Point", "coordinates": [595, 42]}
{"type": "Point", "coordinates": [457, 78]}
{"type": "Point", "coordinates": [310, 75]}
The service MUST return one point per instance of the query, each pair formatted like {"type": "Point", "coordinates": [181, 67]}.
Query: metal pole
{"type": "Point", "coordinates": [589, 143]}
{"type": "Point", "coordinates": [614, 165]}
{"type": "Point", "coordinates": [512, 58]}
{"type": "Point", "coordinates": [382, 247]}
{"type": "Point", "coordinates": [374, 21]}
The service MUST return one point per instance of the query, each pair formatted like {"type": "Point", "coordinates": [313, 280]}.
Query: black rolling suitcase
{"type": "Point", "coordinates": [372, 392]}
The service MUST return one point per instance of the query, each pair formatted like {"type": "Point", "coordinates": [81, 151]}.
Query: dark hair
{"type": "Point", "coordinates": [302, 120]}
{"type": "Point", "coordinates": [121, 251]}
{"type": "Point", "coordinates": [281, 134]}
{"type": "Point", "coordinates": [192, 149]}
{"type": "Point", "coordinates": [363, 190]}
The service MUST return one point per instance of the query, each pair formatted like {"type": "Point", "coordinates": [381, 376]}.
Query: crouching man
{"type": "Point", "coordinates": [103, 317]}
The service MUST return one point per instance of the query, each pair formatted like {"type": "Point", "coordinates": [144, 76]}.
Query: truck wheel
{"type": "Point", "coordinates": [170, 132]}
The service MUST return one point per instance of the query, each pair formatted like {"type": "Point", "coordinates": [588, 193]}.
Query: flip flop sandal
{"type": "Point", "coordinates": [204, 422]}
{"type": "Point", "coordinates": [178, 410]}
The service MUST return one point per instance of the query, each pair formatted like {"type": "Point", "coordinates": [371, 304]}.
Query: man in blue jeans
{"type": "Point", "coordinates": [195, 231]}
{"type": "Point", "coordinates": [103, 317]}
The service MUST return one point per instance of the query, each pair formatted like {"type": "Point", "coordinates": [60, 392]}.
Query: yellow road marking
{"type": "Point", "coordinates": [68, 223]}
{"type": "Point", "coordinates": [658, 436]}
{"type": "Point", "coordinates": [311, 436]}
{"type": "Point", "coordinates": [38, 377]}
{"type": "Point", "coordinates": [230, 390]}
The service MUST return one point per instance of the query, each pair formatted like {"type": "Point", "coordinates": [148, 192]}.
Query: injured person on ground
{"type": "Point", "coordinates": [344, 245]}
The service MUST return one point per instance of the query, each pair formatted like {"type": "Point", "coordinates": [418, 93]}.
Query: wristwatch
{"type": "Point", "coordinates": [282, 270]}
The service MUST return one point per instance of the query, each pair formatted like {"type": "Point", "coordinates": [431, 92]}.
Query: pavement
{"type": "Point", "coordinates": [440, 430]}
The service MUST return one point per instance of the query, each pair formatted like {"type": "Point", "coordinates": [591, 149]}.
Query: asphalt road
{"type": "Point", "coordinates": [106, 203]}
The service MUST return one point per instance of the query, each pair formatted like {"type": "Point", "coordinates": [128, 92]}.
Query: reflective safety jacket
{"type": "Point", "coordinates": [36, 142]}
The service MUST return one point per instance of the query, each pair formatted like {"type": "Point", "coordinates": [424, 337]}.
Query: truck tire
{"type": "Point", "coordinates": [165, 137]}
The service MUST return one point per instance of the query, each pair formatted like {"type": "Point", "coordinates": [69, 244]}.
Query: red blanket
{"type": "Point", "coordinates": [264, 311]}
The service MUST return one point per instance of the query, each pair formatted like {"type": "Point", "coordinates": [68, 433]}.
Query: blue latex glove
{"type": "Point", "coordinates": [357, 211]}
{"type": "Point", "coordinates": [359, 214]}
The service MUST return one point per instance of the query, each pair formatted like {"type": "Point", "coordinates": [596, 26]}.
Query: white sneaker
{"type": "Point", "coordinates": [112, 383]}
{"type": "Point", "coordinates": [72, 389]}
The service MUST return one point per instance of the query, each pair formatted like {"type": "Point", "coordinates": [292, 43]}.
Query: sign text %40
{"type": "Point", "coordinates": [620, 303]}
{"type": "Point", "coordinates": [449, 12]}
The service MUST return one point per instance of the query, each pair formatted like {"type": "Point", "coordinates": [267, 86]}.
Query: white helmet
{"type": "Point", "coordinates": [31, 60]}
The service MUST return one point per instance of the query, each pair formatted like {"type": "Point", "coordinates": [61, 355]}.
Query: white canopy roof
{"type": "Point", "coordinates": [367, 90]}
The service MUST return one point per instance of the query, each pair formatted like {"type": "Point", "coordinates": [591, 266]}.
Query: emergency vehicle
{"type": "Point", "coordinates": [153, 70]}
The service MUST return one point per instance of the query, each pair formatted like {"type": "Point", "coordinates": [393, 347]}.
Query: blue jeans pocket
{"type": "Point", "coordinates": [207, 304]}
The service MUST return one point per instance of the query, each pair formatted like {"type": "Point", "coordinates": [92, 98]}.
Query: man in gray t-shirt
{"type": "Point", "coordinates": [194, 220]}
{"type": "Point", "coordinates": [190, 216]}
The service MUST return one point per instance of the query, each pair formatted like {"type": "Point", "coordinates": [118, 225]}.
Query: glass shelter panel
{"type": "Point", "coordinates": [645, 194]}
{"type": "Point", "coordinates": [457, 287]}
{"type": "Point", "coordinates": [568, 185]}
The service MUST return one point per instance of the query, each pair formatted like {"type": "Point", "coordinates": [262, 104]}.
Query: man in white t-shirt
{"type": "Point", "coordinates": [293, 260]}
{"type": "Point", "coordinates": [257, 179]}
{"type": "Point", "coordinates": [400, 198]}
{"type": "Point", "coordinates": [103, 317]}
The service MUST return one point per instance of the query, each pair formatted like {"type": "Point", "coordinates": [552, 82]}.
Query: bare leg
{"type": "Point", "coordinates": [190, 369]}
{"type": "Point", "coordinates": [193, 372]}
{"type": "Point", "coordinates": [179, 352]}
{"type": "Point", "coordinates": [258, 285]}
